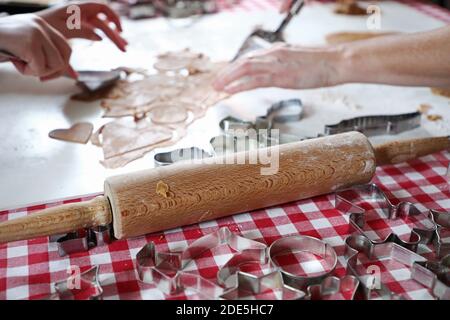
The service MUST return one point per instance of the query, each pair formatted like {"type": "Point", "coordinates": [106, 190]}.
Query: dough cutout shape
{"type": "Point", "coordinates": [78, 133]}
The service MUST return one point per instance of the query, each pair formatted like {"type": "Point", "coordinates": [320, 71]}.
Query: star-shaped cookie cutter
{"type": "Point", "coordinates": [345, 202]}
{"type": "Point", "coordinates": [166, 269]}
{"type": "Point", "coordinates": [249, 285]}
{"type": "Point", "coordinates": [356, 244]}
{"type": "Point", "coordinates": [84, 286]}
{"type": "Point", "coordinates": [442, 220]}
{"type": "Point", "coordinates": [348, 285]}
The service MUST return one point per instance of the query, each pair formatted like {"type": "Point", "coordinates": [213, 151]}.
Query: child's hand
{"type": "Point", "coordinates": [93, 15]}
{"type": "Point", "coordinates": [40, 49]}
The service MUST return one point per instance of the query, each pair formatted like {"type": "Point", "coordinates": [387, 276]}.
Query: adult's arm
{"type": "Point", "coordinates": [420, 59]}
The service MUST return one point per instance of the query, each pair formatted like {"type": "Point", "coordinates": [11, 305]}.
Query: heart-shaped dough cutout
{"type": "Point", "coordinates": [78, 133]}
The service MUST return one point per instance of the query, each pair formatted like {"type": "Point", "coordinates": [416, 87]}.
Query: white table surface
{"type": "Point", "coordinates": [36, 169]}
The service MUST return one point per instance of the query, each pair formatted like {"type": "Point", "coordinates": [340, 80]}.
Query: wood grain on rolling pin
{"type": "Point", "coordinates": [198, 192]}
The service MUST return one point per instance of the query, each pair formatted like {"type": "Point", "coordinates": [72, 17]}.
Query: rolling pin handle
{"type": "Point", "coordinates": [58, 220]}
{"type": "Point", "coordinates": [400, 151]}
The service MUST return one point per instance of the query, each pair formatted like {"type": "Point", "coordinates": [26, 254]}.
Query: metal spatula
{"type": "Point", "coordinates": [260, 38]}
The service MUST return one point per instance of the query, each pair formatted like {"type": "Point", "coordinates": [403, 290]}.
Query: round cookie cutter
{"type": "Point", "coordinates": [298, 244]}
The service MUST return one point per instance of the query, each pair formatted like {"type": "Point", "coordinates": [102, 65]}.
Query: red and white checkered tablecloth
{"type": "Point", "coordinates": [28, 268]}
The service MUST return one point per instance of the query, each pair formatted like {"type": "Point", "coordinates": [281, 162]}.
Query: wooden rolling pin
{"type": "Point", "coordinates": [192, 192]}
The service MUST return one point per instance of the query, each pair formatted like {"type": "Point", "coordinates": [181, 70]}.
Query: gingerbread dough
{"type": "Point", "coordinates": [155, 111]}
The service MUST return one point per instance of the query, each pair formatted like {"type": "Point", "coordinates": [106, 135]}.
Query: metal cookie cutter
{"type": "Point", "coordinates": [226, 276]}
{"type": "Point", "coordinates": [249, 285]}
{"type": "Point", "coordinates": [85, 286]}
{"type": "Point", "coordinates": [96, 80]}
{"type": "Point", "coordinates": [377, 125]}
{"type": "Point", "coordinates": [434, 275]}
{"type": "Point", "coordinates": [371, 193]}
{"type": "Point", "coordinates": [239, 142]}
{"type": "Point", "coordinates": [184, 9]}
{"type": "Point", "coordinates": [442, 220]}
{"type": "Point", "coordinates": [180, 282]}
{"type": "Point", "coordinates": [232, 123]}
{"type": "Point", "coordinates": [82, 240]}
{"type": "Point", "coordinates": [354, 245]}
{"type": "Point", "coordinates": [237, 137]}
{"type": "Point", "coordinates": [297, 244]}
{"type": "Point", "coordinates": [347, 287]}
{"type": "Point", "coordinates": [167, 158]}
{"type": "Point", "coordinates": [281, 112]}
{"type": "Point", "coordinates": [245, 135]}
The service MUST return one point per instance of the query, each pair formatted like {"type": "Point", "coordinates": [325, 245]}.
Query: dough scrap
{"type": "Point", "coordinates": [162, 189]}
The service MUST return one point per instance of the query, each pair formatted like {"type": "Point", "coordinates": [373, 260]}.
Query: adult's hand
{"type": "Point", "coordinates": [284, 67]}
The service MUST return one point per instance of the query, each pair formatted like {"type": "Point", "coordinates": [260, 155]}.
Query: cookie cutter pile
{"type": "Point", "coordinates": [232, 283]}
{"type": "Point", "coordinates": [240, 135]}
{"type": "Point", "coordinates": [167, 270]}
{"type": "Point", "coordinates": [432, 274]}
